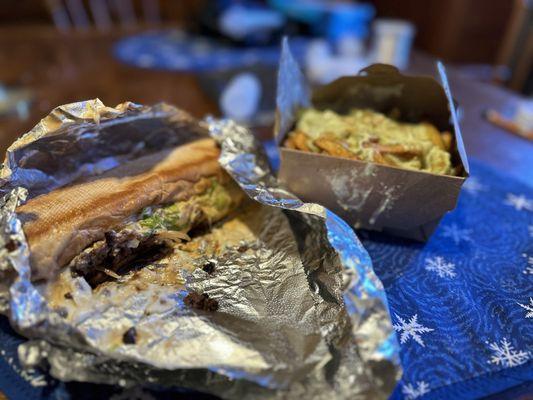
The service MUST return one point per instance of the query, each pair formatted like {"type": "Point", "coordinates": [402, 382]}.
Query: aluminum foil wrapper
{"type": "Point", "coordinates": [303, 314]}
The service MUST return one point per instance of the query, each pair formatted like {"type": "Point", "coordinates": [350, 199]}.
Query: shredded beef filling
{"type": "Point", "coordinates": [200, 301]}
{"type": "Point", "coordinates": [117, 255]}
{"type": "Point", "coordinates": [150, 237]}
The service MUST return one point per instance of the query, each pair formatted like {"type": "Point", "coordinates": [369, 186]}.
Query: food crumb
{"type": "Point", "coordinates": [62, 312]}
{"type": "Point", "coordinates": [130, 336]}
{"type": "Point", "coordinates": [12, 245]}
{"type": "Point", "coordinates": [201, 301]}
{"type": "Point", "coordinates": [209, 267]}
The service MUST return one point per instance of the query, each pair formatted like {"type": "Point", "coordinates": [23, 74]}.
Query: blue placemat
{"type": "Point", "coordinates": [177, 51]}
{"type": "Point", "coordinates": [462, 303]}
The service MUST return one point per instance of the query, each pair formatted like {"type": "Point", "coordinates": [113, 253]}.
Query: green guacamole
{"type": "Point", "coordinates": [212, 205]}
{"type": "Point", "coordinates": [371, 136]}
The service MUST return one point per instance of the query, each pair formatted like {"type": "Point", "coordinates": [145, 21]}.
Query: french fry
{"type": "Point", "coordinates": [300, 140]}
{"type": "Point", "coordinates": [334, 148]}
{"type": "Point", "coordinates": [377, 157]}
{"type": "Point", "coordinates": [289, 142]}
{"type": "Point", "coordinates": [398, 149]}
{"type": "Point", "coordinates": [447, 140]}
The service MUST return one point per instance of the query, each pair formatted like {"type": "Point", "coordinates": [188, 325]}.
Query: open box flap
{"type": "Point", "coordinates": [383, 88]}
{"type": "Point", "coordinates": [292, 92]}
{"type": "Point", "coordinates": [455, 121]}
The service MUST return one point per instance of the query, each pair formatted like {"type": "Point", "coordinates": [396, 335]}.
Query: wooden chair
{"type": "Point", "coordinates": [516, 52]}
{"type": "Point", "coordinates": [103, 15]}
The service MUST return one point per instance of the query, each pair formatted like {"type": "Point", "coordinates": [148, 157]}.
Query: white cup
{"type": "Point", "coordinates": [392, 42]}
{"type": "Point", "coordinates": [524, 115]}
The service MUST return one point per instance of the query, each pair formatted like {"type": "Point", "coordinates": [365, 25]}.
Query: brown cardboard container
{"type": "Point", "coordinates": [393, 200]}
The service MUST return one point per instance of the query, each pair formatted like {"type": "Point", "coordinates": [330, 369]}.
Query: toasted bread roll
{"type": "Point", "coordinates": [60, 224]}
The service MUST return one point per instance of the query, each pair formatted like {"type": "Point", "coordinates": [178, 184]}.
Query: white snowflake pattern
{"type": "Point", "coordinates": [528, 308]}
{"type": "Point", "coordinates": [411, 329]}
{"type": "Point", "coordinates": [443, 268]}
{"type": "Point", "coordinates": [506, 355]}
{"type": "Point", "coordinates": [529, 267]}
{"type": "Point", "coordinates": [414, 392]}
{"type": "Point", "coordinates": [473, 185]}
{"type": "Point", "coordinates": [456, 233]}
{"type": "Point", "coordinates": [519, 202]}
{"type": "Point", "coordinates": [32, 376]}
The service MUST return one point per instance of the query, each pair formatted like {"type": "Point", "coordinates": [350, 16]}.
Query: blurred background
{"type": "Point", "coordinates": [220, 57]}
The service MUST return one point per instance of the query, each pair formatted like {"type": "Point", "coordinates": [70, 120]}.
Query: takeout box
{"type": "Point", "coordinates": [401, 202]}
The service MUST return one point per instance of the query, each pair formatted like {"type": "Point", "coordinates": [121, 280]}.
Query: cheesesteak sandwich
{"type": "Point", "coordinates": [136, 250]}
{"type": "Point", "coordinates": [138, 205]}
{"type": "Point", "coordinates": [157, 211]}
{"type": "Point", "coordinates": [160, 259]}
{"type": "Point", "coordinates": [132, 256]}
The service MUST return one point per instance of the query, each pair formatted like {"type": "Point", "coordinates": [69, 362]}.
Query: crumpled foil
{"type": "Point", "coordinates": [303, 315]}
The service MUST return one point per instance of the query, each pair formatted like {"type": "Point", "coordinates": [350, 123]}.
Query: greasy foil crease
{"type": "Point", "coordinates": [302, 315]}
{"type": "Point", "coordinates": [85, 138]}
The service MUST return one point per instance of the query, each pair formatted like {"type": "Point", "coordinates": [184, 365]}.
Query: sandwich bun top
{"type": "Point", "coordinates": [60, 224]}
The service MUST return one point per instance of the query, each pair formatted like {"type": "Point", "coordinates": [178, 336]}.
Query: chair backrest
{"type": "Point", "coordinates": [102, 15]}
{"type": "Point", "coordinates": [516, 51]}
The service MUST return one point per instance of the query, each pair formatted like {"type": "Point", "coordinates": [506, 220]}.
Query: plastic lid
{"type": "Point", "coordinates": [386, 26]}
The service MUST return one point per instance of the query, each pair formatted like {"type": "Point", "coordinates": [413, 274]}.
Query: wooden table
{"type": "Point", "coordinates": [61, 68]}
{"type": "Point", "coordinates": [484, 141]}
{"type": "Point", "coordinates": [64, 68]}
